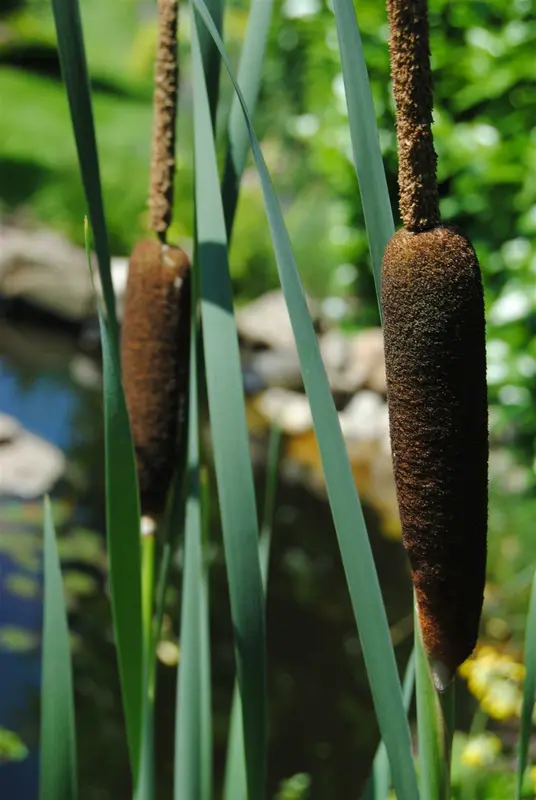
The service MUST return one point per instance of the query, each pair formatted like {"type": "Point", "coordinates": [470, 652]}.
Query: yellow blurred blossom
{"type": "Point", "coordinates": [502, 700]}
{"type": "Point", "coordinates": [481, 751]}
{"type": "Point", "coordinates": [495, 679]}
{"type": "Point", "coordinates": [532, 777]}
{"type": "Point", "coordinates": [168, 653]}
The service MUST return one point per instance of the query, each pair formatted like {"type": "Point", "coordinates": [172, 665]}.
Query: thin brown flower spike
{"type": "Point", "coordinates": [434, 335]}
{"type": "Point", "coordinates": [166, 79]}
{"type": "Point", "coordinates": [156, 323]}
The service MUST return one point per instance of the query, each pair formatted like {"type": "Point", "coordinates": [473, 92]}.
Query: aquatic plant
{"type": "Point", "coordinates": [137, 605]}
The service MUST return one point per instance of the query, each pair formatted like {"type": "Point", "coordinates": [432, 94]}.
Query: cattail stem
{"type": "Point", "coordinates": [165, 108]}
{"type": "Point", "coordinates": [412, 86]}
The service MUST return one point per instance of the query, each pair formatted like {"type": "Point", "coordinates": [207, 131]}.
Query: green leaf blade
{"type": "Point", "coordinates": [211, 57]}
{"type": "Point", "coordinates": [249, 80]}
{"type": "Point", "coordinates": [346, 509]}
{"type": "Point", "coordinates": [58, 734]}
{"type": "Point", "coordinates": [380, 781]}
{"type": "Point", "coordinates": [123, 530]}
{"type": "Point", "coordinates": [75, 73]}
{"type": "Point", "coordinates": [124, 551]}
{"type": "Point", "coordinates": [235, 768]}
{"type": "Point", "coordinates": [364, 134]}
{"type": "Point", "coordinates": [193, 729]}
{"type": "Point", "coordinates": [231, 441]}
{"type": "Point", "coordinates": [432, 735]}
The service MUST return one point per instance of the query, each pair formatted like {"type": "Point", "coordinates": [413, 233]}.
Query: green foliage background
{"type": "Point", "coordinates": [483, 55]}
{"type": "Point", "coordinates": [483, 68]}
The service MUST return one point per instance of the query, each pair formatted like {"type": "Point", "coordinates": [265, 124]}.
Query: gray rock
{"type": "Point", "coordinates": [354, 362]}
{"type": "Point", "coordinates": [290, 411]}
{"type": "Point", "coordinates": [366, 360]}
{"type": "Point", "coordinates": [86, 372]}
{"type": "Point", "coordinates": [43, 268]}
{"type": "Point", "coordinates": [275, 368]}
{"type": "Point", "coordinates": [334, 347]}
{"type": "Point", "coordinates": [365, 418]}
{"type": "Point", "coordinates": [29, 466]}
{"type": "Point", "coordinates": [119, 269]}
{"type": "Point", "coordinates": [265, 321]}
{"type": "Point", "coordinates": [9, 428]}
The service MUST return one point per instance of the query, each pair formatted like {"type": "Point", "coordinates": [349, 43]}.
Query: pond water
{"type": "Point", "coordinates": [321, 718]}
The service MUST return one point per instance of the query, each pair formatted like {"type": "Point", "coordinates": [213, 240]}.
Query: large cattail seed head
{"type": "Point", "coordinates": [434, 334]}
{"type": "Point", "coordinates": [155, 358]}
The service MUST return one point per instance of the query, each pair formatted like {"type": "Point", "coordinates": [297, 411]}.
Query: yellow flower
{"type": "Point", "coordinates": [502, 700]}
{"type": "Point", "coordinates": [495, 679]}
{"type": "Point", "coordinates": [532, 773]}
{"type": "Point", "coordinates": [481, 751]}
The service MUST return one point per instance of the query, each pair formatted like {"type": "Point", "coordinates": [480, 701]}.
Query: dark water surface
{"type": "Point", "coordinates": [321, 718]}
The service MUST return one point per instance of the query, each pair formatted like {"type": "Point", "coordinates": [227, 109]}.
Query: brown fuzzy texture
{"type": "Point", "coordinates": [155, 351]}
{"type": "Point", "coordinates": [412, 86]}
{"type": "Point", "coordinates": [434, 333]}
{"type": "Point", "coordinates": [165, 109]}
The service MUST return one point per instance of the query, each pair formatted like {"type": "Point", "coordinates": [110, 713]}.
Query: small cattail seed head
{"type": "Point", "coordinates": [434, 335]}
{"type": "Point", "coordinates": [155, 362]}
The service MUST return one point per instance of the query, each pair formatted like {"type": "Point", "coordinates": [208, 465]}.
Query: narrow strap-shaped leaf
{"type": "Point", "coordinates": [235, 768]}
{"type": "Point", "coordinates": [211, 57]}
{"type": "Point", "coordinates": [189, 781]}
{"type": "Point", "coordinates": [249, 80]}
{"type": "Point", "coordinates": [432, 734]}
{"type": "Point", "coordinates": [529, 689]}
{"type": "Point", "coordinates": [235, 782]}
{"type": "Point", "coordinates": [123, 537]}
{"type": "Point", "coordinates": [121, 480]}
{"type": "Point", "coordinates": [206, 689]}
{"type": "Point", "coordinates": [364, 134]}
{"type": "Point", "coordinates": [230, 439]}
{"type": "Point", "coordinates": [58, 735]}
{"type": "Point", "coordinates": [380, 780]}
{"type": "Point", "coordinates": [347, 513]}
{"type": "Point", "coordinates": [75, 74]}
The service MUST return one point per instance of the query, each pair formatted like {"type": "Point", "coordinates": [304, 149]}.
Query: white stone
{"type": "Point", "coordinates": [276, 368]}
{"type": "Point", "coordinates": [365, 417]}
{"type": "Point", "coordinates": [266, 321]}
{"type": "Point", "coordinates": [334, 350]}
{"type": "Point", "coordinates": [43, 268]}
{"type": "Point", "coordinates": [288, 410]}
{"type": "Point", "coordinates": [119, 271]}
{"type": "Point", "coordinates": [29, 465]}
{"type": "Point", "coordinates": [9, 428]}
{"type": "Point", "coordinates": [354, 362]}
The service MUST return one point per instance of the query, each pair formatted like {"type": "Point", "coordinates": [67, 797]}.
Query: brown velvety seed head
{"type": "Point", "coordinates": [434, 334]}
{"type": "Point", "coordinates": [155, 358]}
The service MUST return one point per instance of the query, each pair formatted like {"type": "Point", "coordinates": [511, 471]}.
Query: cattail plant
{"type": "Point", "coordinates": [434, 333]}
{"type": "Point", "coordinates": [155, 331]}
